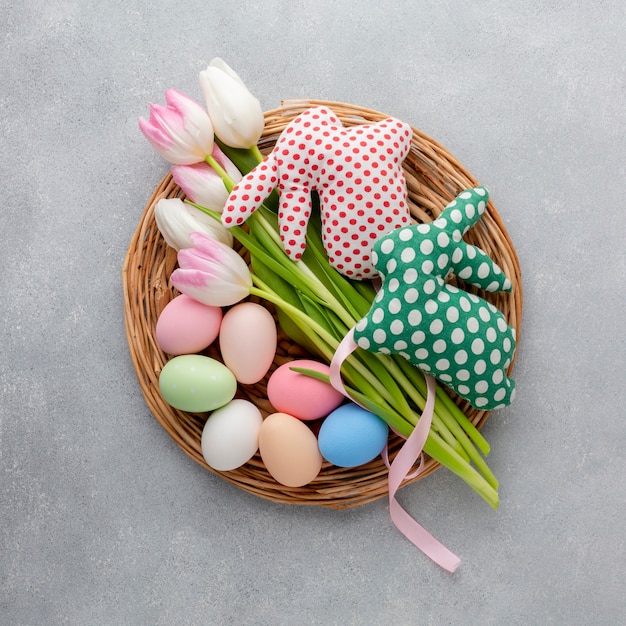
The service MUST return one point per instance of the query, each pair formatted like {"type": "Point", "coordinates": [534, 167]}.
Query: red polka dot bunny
{"type": "Point", "coordinates": [356, 171]}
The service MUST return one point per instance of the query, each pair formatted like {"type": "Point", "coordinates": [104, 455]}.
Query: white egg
{"type": "Point", "coordinates": [230, 436]}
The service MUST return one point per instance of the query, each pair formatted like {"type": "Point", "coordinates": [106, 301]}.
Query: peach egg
{"type": "Point", "coordinates": [289, 450]}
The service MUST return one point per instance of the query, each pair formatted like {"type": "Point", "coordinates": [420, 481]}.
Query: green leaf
{"type": "Point", "coordinates": [244, 159]}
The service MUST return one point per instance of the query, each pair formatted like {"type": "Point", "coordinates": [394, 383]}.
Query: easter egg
{"type": "Point", "coordinates": [186, 326]}
{"type": "Point", "coordinates": [351, 436]}
{"type": "Point", "coordinates": [248, 341]}
{"type": "Point", "coordinates": [230, 436]}
{"type": "Point", "coordinates": [196, 383]}
{"type": "Point", "coordinates": [289, 450]}
{"type": "Point", "coordinates": [301, 395]}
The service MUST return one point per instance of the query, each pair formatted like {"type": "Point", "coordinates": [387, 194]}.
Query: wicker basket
{"type": "Point", "coordinates": [434, 178]}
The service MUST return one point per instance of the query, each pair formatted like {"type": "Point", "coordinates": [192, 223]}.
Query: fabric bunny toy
{"type": "Point", "coordinates": [455, 336]}
{"type": "Point", "coordinates": [357, 173]}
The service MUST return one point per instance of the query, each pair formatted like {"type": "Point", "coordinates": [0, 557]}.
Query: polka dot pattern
{"type": "Point", "coordinates": [357, 173]}
{"type": "Point", "coordinates": [456, 336]}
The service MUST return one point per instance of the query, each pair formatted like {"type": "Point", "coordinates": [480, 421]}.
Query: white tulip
{"type": "Point", "coordinates": [176, 220]}
{"type": "Point", "coordinates": [236, 114]}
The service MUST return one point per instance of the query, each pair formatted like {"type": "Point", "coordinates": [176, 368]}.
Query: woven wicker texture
{"type": "Point", "coordinates": [434, 178]}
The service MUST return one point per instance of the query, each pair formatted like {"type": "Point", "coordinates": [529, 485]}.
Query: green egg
{"type": "Point", "coordinates": [196, 383]}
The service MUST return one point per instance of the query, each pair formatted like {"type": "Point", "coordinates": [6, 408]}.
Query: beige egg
{"type": "Point", "coordinates": [289, 450]}
{"type": "Point", "coordinates": [248, 341]}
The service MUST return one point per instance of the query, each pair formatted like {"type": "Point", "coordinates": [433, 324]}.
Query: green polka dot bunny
{"type": "Point", "coordinates": [455, 336]}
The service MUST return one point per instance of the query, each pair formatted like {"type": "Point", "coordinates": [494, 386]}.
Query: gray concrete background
{"type": "Point", "coordinates": [103, 520]}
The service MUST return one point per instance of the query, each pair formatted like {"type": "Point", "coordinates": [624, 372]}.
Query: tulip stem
{"type": "Point", "coordinates": [368, 377]}
{"type": "Point", "coordinates": [229, 183]}
{"type": "Point", "coordinates": [257, 153]}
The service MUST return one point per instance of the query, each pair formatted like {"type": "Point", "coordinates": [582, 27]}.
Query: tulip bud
{"type": "Point", "coordinates": [236, 114]}
{"type": "Point", "coordinates": [211, 273]}
{"type": "Point", "coordinates": [202, 184]}
{"type": "Point", "coordinates": [177, 220]}
{"type": "Point", "coordinates": [181, 132]}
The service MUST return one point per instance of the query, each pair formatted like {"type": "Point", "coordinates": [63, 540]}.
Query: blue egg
{"type": "Point", "coordinates": [351, 436]}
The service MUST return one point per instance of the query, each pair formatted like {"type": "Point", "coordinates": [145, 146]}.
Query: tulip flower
{"type": "Point", "coordinates": [202, 184]}
{"type": "Point", "coordinates": [211, 273]}
{"type": "Point", "coordinates": [177, 220]}
{"type": "Point", "coordinates": [236, 114]}
{"type": "Point", "coordinates": [181, 131]}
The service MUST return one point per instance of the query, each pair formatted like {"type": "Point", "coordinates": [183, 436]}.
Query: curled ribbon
{"type": "Point", "coordinates": [400, 467]}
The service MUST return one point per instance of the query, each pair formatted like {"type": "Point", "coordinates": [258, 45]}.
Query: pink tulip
{"type": "Point", "coordinates": [202, 184]}
{"type": "Point", "coordinates": [181, 132]}
{"type": "Point", "coordinates": [211, 273]}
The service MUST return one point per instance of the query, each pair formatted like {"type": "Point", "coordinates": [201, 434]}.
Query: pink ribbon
{"type": "Point", "coordinates": [399, 469]}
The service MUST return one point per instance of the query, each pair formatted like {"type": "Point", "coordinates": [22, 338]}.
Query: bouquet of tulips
{"type": "Point", "coordinates": [210, 148]}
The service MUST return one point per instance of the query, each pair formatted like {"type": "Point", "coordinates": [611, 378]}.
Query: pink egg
{"type": "Point", "coordinates": [248, 340]}
{"type": "Point", "coordinates": [300, 395]}
{"type": "Point", "coordinates": [186, 326]}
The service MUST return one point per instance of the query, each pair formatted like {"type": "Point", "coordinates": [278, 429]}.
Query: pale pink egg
{"type": "Point", "coordinates": [289, 450]}
{"type": "Point", "coordinates": [248, 340]}
{"type": "Point", "coordinates": [301, 395]}
{"type": "Point", "coordinates": [186, 326]}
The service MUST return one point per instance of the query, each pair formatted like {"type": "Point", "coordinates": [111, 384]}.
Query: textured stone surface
{"type": "Point", "coordinates": [105, 520]}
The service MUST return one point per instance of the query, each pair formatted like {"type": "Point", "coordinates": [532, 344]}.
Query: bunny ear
{"type": "Point", "coordinates": [316, 115]}
{"type": "Point", "coordinates": [474, 266]}
{"type": "Point", "coordinates": [464, 211]}
{"type": "Point", "coordinates": [250, 192]}
{"type": "Point", "coordinates": [401, 136]}
{"type": "Point", "coordinates": [326, 116]}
